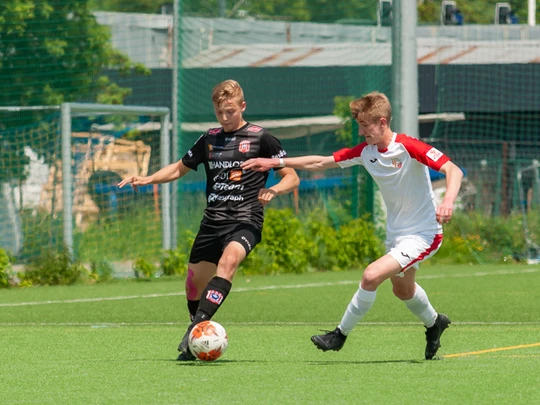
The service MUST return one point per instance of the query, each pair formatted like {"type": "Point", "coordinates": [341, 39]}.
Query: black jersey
{"type": "Point", "coordinates": [232, 193]}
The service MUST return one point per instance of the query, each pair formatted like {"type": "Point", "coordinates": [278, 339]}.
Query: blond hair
{"type": "Point", "coordinates": [229, 89]}
{"type": "Point", "coordinates": [371, 107]}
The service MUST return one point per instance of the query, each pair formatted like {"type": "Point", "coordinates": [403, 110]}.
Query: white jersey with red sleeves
{"type": "Point", "coordinates": [401, 172]}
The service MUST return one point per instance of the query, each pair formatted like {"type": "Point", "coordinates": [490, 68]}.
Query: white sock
{"type": "Point", "coordinates": [421, 307]}
{"type": "Point", "coordinates": [360, 303]}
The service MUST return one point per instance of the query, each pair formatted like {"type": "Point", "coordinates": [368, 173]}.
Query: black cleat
{"type": "Point", "coordinates": [332, 340]}
{"type": "Point", "coordinates": [184, 344]}
{"type": "Point", "coordinates": [183, 347]}
{"type": "Point", "coordinates": [186, 357]}
{"type": "Point", "coordinates": [433, 335]}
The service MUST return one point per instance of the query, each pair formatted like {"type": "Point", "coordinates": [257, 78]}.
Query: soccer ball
{"type": "Point", "coordinates": [208, 340]}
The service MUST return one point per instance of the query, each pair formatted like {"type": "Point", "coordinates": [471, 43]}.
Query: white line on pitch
{"type": "Point", "coordinates": [263, 288]}
{"type": "Point", "coordinates": [121, 324]}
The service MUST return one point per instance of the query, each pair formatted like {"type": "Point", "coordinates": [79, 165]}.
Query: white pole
{"type": "Point", "coordinates": [165, 187]}
{"type": "Point", "coordinates": [404, 68]}
{"type": "Point", "coordinates": [532, 13]}
{"type": "Point", "coordinates": [175, 117]}
{"type": "Point", "coordinates": [66, 177]}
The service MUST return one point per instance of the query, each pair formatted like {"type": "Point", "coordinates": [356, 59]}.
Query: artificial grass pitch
{"type": "Point", "coordinates": [116, 343]}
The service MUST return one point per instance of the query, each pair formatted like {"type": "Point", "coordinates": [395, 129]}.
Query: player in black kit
{"type": "Point", "coordinates": [233, 218]}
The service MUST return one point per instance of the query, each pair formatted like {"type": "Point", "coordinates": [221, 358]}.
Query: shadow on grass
{"type": "Point", "coordinates": [339, 362]}
{"type": "Point", "coordinates": [198, 363]}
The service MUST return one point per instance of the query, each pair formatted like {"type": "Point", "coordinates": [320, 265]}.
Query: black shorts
{"type": "Point", "coordinates": [213, 237]}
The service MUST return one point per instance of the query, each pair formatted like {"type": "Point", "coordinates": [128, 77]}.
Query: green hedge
{"type": "Point", "coordinates": [477, 239]}
{"type": "Point", "coordinates": [297, 244]}
{"type": "Point", "coordinates": [294, 245]}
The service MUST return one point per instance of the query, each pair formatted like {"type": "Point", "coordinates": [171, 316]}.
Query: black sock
{"type": "Point", "coordinates": [192, 308]}
{"type": "Point", "coordinates": [212, 297]}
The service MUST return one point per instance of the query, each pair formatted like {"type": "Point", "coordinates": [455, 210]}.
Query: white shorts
{"type": "Point", "coordinates": [410, 250]}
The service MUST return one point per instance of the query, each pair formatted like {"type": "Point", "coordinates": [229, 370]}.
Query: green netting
{"type": "Point", "coordinates": [109, 223]}
{"type": "Point", "coordinates": [27, 154]}
{"type": "Point", "coordinates": [497, 141]}
{"type": "Point", "coordinates": [290, 69]}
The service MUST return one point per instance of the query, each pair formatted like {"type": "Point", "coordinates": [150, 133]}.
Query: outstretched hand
{"type": "Point", "coordinates": [258, 164]}
{"type": "Point", "coordinates": [134, 181]}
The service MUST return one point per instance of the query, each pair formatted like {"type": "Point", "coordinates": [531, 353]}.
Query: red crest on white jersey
{"type": "Point", "coordinates": [244, 146]}
{"type": "Point", "coordinates": [254, 128]}
{"type": "Point", "coordinates": [397, 163]}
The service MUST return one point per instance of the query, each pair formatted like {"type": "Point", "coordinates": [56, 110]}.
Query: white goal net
{"type": "Point", "coordinates": [59, 177]}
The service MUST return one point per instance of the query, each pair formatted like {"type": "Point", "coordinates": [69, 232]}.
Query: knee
{"type": "Point", "coordinates": [371, 278]}
{"type": "Point", "coordinates": [227, 265]}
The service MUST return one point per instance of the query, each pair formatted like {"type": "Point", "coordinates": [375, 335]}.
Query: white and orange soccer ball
{"type": "Point", "coordinates": [208, 341]}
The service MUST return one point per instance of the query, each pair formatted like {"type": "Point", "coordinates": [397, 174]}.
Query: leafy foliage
{"type": "Point", "coordinates": [429, 12]}
{"type": "Point", "coordinates": [358, 244]}
{"type": "Point", "coordinates": [351, 245]}
{"type": "Point", "coordinates": [475, 238]}
{"type": "Point", "coordinates": [174, 261]}
{"type": "Point", "coordinates": [343, 111]}
{"type": "Point", "coordinates": [299, 244]}
{"type": "Point", "coordinates": [283, 247]}
{"type": "Point", "coordinates": [324, 11]}
{"type": "Point", "coordinates": [290, 10]}
{"type": "Point", "coordinates": [5, 269]}
{"type": "Point", "coordinates": [292, 245]}
{"type": "Point", "coordinates": [55, 268]}
{"type": "Point", "coordinates": [101, 271]}
{"type": "Point", "coordinates": [43, 66]}
{"type": "Point", "coordinates": [51, 52]}
{"type": "Point", "coordinates": [143, 268]}
{"type": "Point", "coordinates": [13, 160]}
{"type": "Point", "coordinates": [126, 6]}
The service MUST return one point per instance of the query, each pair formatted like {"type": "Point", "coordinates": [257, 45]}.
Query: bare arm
{"type": "Point", "coordinates": [167, 174]}
{"type": "Point", "coordinates": [289, 181]}
{"type": "Point", "coordinates": [312, 163]}
{"type": "Point", "coordinates": [453, 183]}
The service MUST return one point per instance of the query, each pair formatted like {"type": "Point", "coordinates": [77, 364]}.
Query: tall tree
{"type": "Point", "coordinates": [51, 51]}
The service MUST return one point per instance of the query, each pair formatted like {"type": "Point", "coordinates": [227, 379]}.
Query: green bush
{"type": "Point", "coordinates": [101, 271]}
{"type": "Point", "coordinates": [475, 238]}
{"type": "Point", "coordinates": [175, 261]}
{"type": "Point", "coordinates": [283, 247]}
{"type": "Point", "coordinates": [6, 272]}
{"type": "Point", "coordinates": [323, 241]}
{"type": "Point", "coordinates": [358, 244]}
{"type": "Point", "coordinates": [55, 268]}
{"type": "Point", "coordinates": [351, 245]}
{"type": "Point", "coordinates": [294, 245]}
{"type": "Point", "coordinates": [461, 249]}
{"type": "Point", "coordinates": [143, 268]}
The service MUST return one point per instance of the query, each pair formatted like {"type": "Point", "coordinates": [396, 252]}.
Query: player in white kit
{"type": "Point", "coordinates": [399, 165]}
